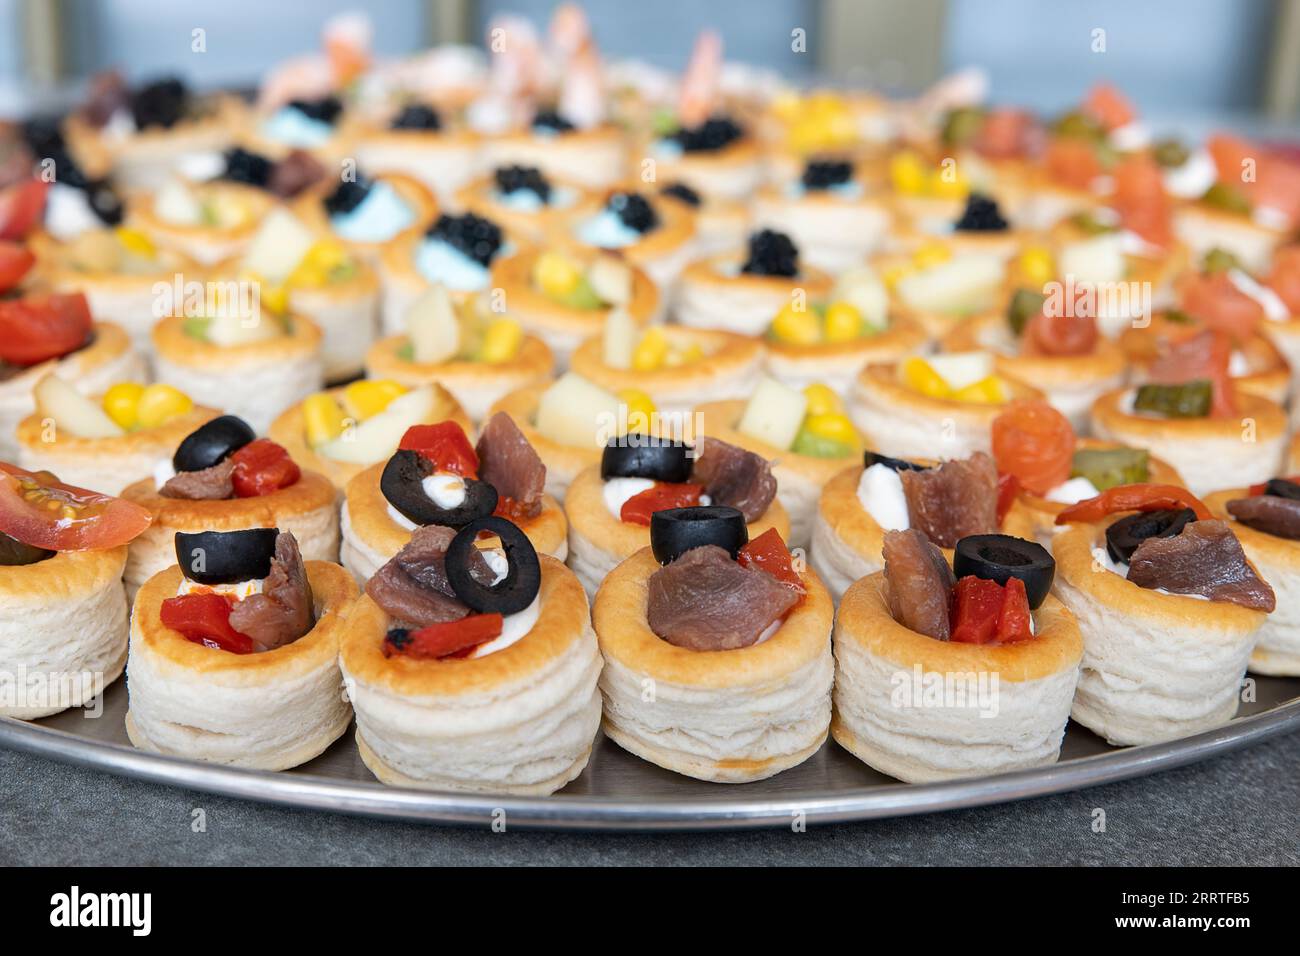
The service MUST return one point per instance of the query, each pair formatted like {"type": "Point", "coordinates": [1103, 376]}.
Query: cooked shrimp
{"type": "Point", "coordinates": [699, 90]}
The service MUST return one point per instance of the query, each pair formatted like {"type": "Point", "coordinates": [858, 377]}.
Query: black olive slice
{"type": "Point", "coordinates": [1124, 536]}
{"type": "Point", "coordinates": [226, 557]}
{"type": "Point", "coordinates": [1282, 488]}
{"type": "Point", "coordinates": [523, 577]}
{"type": "Point", "coordinates": [402, 484]}
{"type": "Point", "coordinates": [641, 456]}
{"type": "Point", "coordinates": [997, 557]}
{"type": "Point", "coordinates": [13, 553]}
{"type": "Point", "coordinates": [870, 458]}
{"type": "Point", "coordinates": [674, 531]}
{"type": "Point", "coordinates": [212, 443]}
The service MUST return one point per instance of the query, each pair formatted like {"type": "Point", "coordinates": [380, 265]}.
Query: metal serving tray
{"type": "Point", "coordinates": [618, 791]}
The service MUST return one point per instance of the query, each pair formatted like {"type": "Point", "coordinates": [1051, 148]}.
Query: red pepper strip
{"type": "Point", "coordinates": [664, 495]}
{"type": "Point", "coordinates": [449, 639]}
{"type": "Point", "coordinates": [1008, 488]}
{"type": "Point", "coordinates": [976, 608]}
{"type": "Point", "coordinates": [205, 619]}
{"type": "Point", "coordinates": [262, 467]}
{"type": "Point", "coordinates": [15, 261]}
{"type": "Point", "coordinates": [511, 510]}
{"type": "Point", "coordinates": [445, 445]}
{"type": "Point", "coordinates": [1139, 497]}
{"type": "Point", "coordinates": [1014, 621]}
{"type": "Point", "coordinates": [1256, 490]}
{"type": "Point", "coordinates": [768, 553]}
{"type": "Point", "coordinates": [21, 207]}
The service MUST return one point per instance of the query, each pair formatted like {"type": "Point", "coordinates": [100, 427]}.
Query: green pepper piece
{"type": "Point", "coordinates": [1219, 260]}
{"type": "Point", "coordinates": [1079, 126]}
{"type": "Point", "coordinates": [582, 296]}
{"type": "Point", "coordinates": [13, 553]}
{"type": "Point", "coordinates": [1170, 153]}
{"type": "Point", "coordinates": [962, 125]}
{"type": "Point", "coordinates": [196, 327]}
{"type": "Point", "coordinates": [1108, 467]}
{"type": "Point", "coordinates": [806, 443]}
{"type": "Point", "coordinates": [1188, 400]}
{"type": "Point", "coordinates": [1178, 317]}
{"type": "Point", "coordinates": [1090, 224]}
{"type": "Point", "coordinates": [1024, 305]}
{"type": "Point", "coordinates": [1226, 198]}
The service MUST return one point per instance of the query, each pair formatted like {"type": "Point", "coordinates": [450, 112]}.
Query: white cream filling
{"type": "Point", "coordinates": [1192, 178]}
{"type": "Point", "coordinates": [239, 590]}
{"type": "Point", "coordinates": [1269, 218]}
{"type": "Point", "coordinates": [880, 492]}
{"type": "Point", "coordinates": [400, 519]}
{"type": "Point", "coordinates": [618, 491]}
{"type": "Point", "coordinates": [163, 472]}
{"type": "Point", "coordinates": [68, 212]}
{"type": "Point", "coordinates": [445, 490]}
{"type": "Point", "coordinates": [1238, 364]}
{"type": "Point", "coordinates": [1073, 491]}
{"type": "Point", "coordinates": [1275, 309]}
{"type": "Point", "coordinates": [1130, 137]}
{"type": "Point", "coordinates": [513, 626]}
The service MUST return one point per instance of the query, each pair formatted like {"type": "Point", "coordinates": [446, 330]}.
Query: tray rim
{"type": "Point", "coordinates": [561, 812]}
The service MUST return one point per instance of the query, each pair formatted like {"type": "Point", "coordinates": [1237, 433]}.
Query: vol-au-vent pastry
{"type": "Point", "coordinates": [940, 405]}
{"type": "Point", "coordinates": [720, 224]}
{"type": "Point", "coordinates": [256, 364]}
{"type": "Point", "coordinates": [423, 142]}
{"type": "Point", "coordinates": [297, 272]}
{"type": "Point", "coordinates": [565, 296]}
{"type": "Point", "coordinates": [224, 478]}
{"type": "Point", "coordinates": [208, 221]}
{"type": "Point", "coordinates": [1169, 607]}
{"type": "Point", "coordinates": [945, 501]}
{"type": "Point", "coordinates": [473, 669]}
{"type": "Point", "coordinates": [234, 652]}
{"type": "Point", "coordinates": [315, 125]}
{"type": "Point", "coordinates": [477, 355]}
{"type": "Point", "coordinates": [55, 333]}
{"type": "Point", "coordinates": [732, 636]}
{"type": "Point", "coordinates": [831, 340]}
{"type": "Point", "coordinates": [676, 366]}
{"type": "Point", "coordinates": [1266, 520]}
{"type": "Point", "coordinates": [948, 672]}
{"type": "Point", "coordinates": [342, 431]}
{"type": "Point", "coordinates": [806, 435]}
{"type": "Point", "coordinates": [526, 201]}
{"type": "Point", "coordinates": [366, 212]}
{"type": "Point", "coordinates": [938, 286]}
{"type": "Point", "coordinates": [610, 507]}
{"type": "Point", "coordinates": [741, 293]}
{"type": "Point", "coordinates": [979, 229]}
{"type": "Point", "coordinates": [1283, 325]}
{"type": "Point", "coordinates": [110, 440]}
{"type": "Point", "coordinates": [456, 252]}
{"type": "Point", "coordinates": [653, 233]}
{"type": "Point", "coordinates": [829, 211]}
{"type": "Point", "coordinates": [1192, 415]}
{"type": "Point", "coordinates": [436, 477]}
{"type": "Point", "coordinates": [119, 271]}
{"type": "Point", "coordinates": [63, 609]}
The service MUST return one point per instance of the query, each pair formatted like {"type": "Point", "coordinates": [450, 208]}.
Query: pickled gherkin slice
{"type": "Point", "coordinates": [1108, 467]}
{"type": "Point", "coordinates": [962, 125]}
{"type": "Point", "coordinates": [1170, 153]}
{"type": "Point", "coordinates": [1219, 260]}
{"type": "Point", "coordinates": [1188, 400]}
{"type": "Point", "coordinates": [1226, 198]}
{"type": "Point", "coordinates": [1024, 305]}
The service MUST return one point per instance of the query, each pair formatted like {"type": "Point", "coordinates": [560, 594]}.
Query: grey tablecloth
{"type": "Point", "coordinates": [1240, 809]}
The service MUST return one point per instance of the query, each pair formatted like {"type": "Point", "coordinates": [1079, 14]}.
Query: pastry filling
{"type": "Point", "coordinates": [458, 251]}
{"type": "Point", "coordinates": [624, 221]}
{"type": "Point", "coordinates": [305, 124]}
{"type": "Point", "coordinates": [810, 422]}
{"type": "Point", "coordinates": [366, 210]}
{"type": "Point", "coordinates": [223, 459]}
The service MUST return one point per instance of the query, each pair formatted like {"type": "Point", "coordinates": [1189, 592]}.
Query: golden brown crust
{"type": "Point", "coordinates": [561, 623]}
{"type": "Point", "coordinates": [537, 312]}
{"type": "Point", "coordinates": [1110, 418]}
{"type": "Point", "coordinates": [902, 337]}
{"type": "Point", "coordinates": [725, 354]}
{"type": "Point", "coordinates": [1269, 548]}
{"type": "Point", "coordinates": [722, 273]}
{"type": "Point", "coordinates": [413, 193]}
{"type": "Point", "coordinates": [619, 616]}
{"type": "Point", "coordinates": [676, 228]}
{"type": "Point", "coordinates": [67, 574]}
{"type": "Point", "coordinates": [110, 342]}
{"type": "Point", "coordinates": [301, 339]}
{"type": "Point", "coordinates": [865, 619]}
{"type": "Point", "coordinates": [333, 591]}
{"type": "Point", "coordinates": [161, 440]}
{"type": "Point", "coordinates": [258, 202]}
{"type": "Point", "coordinates": [311, 492]}
{"type": "Point", "coordinates": [533, 363]}
{"type": "Point", "coordinates": [479, 197]}
{"type": "Point", "coordinates": [1044, 372]}
{"type": "Point", "coordinates": [54, 265]}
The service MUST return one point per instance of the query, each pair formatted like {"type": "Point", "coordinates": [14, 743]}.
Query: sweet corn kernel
{"type": "Point", "coordinates": [370, 396]}
{"type": "Point", "coordinates": [987, 391]}
{"type": "Point", "coordinates": [325, 255]}
{"type": "Point", "coordinates": [556, 274]}
{"type": "Point", "coordinates": [891, 275]}
{"type": "Point", "coordinates": [948, 187]}
{"type": "Point", "coordinates": [843, 322]}
{"type": "Point", "coordinates": [833, 426]}
{"type": "Point", "coordinates": [122, 401]}
{"type": "Point", "coordinates": [822, 400]}
{"type": "Point", "coordinates": [797, 326]}
{"type": "Point", "coordinates": [324, 418]}
{"type": "Point", "coordinates": [640, 409]}
{"type": "Point", "coordinates": [159, 404]}
{"type": "Point", "coordinates": [931, 254]}
{"type": "Point", "coordinates": [501, 340]}
{"type": "Point", "coordinates": [918, 374]}
{"type": "Point", "coordinates": [1037, 266]}
{"type": "Point", "coordinates": [651, 352]}
{"type": "Point", "coordinates": [135, 242]}
{"type": "Point", "coordinates": [907, 174]}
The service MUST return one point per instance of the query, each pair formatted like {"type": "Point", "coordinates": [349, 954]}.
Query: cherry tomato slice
{"type": "Point", "coordinates": [1034, 442]}
{"type": "Point", "coordinates": [15, 260]}
{"type": "Point", "coordinates": [39, 510]}
{"type": "Point", "coordinates": [38, 328]}
{"type": "Point", "coordinates": [768, 553]}
{"type": "Point", "coordinates": [1139, 497]}
{"type": "Point", "coordinates": [1014, 619]}
{"type": "Point", "coordinates": [21, 207]}
{"type": "Point", "coordinates": [976, 608]}
{"type": "Point", "coordinates": [664, 495]}
{"type": "Point", "coordinates": [445, 445]}
{"type": "Point", "coordinates": [262, 467]}
{"type": "Point", "coordinates": [205, 619]}
{"type": "Point", "coordinates": [449, 639]}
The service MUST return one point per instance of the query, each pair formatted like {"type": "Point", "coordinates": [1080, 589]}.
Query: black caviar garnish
{"type": "Point", "coordinates": [771, 253]}
{"type": "Point", "coordinates": [478, 238]}
{"type": "Point", "coordinates": [326, 109]}
{"type": "Point", "coordinates": [417, 116]}
{"type": "Point", "coordinates": [511, 179]}
{"type": "Point", "coordinates": [247, 167]}
{"type": "Point", "coordinates": [552, 121]}
{"type": "Point", "coordinates": [713, 134]}
{"type": "Point", "coordinates": [683, 192]}
{"type": "Point", "coordinates": [819, 174]}
{"type": "Point", "coordinates": [161, 103]}
{"type": "Point", "coordinates": [348, 196]}
{"type": "Point", "coordinates": [634, 210]}
{"type": "Point", "coordinates": [981, 215]}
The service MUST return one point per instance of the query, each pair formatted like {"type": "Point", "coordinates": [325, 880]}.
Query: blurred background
{"type": "Point", "coordinates": [1180, 60]}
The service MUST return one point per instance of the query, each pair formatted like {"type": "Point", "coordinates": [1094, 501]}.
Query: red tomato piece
{"type": "Point", "coordinates": [1034, 442]}
{"type": "Point", "coordinates": [21, 208]}
{"type": "Point", "coordinates": [768, 553]}
{"type": "Point", "coordinates": [39, 510]}
{"type": "Point", "coordinates": [1109, 107]}
{"type": "Point", "coordinates": [1008, 488]}
{"type": "Point", "coordinates": [1014, 620]}
{"type": "Point", "coordinates": [262, 467]}
{"type": "Point", "coordinates": [38, 328]}
{"type": "Point", "coordinates": [1138, 497]}
{"type": "Point", "coordinates": [976, 609]}
{"type": "Point", "coordinates": [445, 445]}
{"type": "Point", "coordinates": [1072, 162]}
{"type": "Point", "coordinates": [15, 260]}
{"type": "Point", "coordinates": [664, 495]}
{"type": "Point", "coordinates": [205, 619]}
{"type": "Point", "coordinates": [452, 638]}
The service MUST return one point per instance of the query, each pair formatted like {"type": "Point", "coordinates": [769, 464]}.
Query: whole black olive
{"type": "Point", "coordinates": [13, 553]}
{"type": "Point", "coordinates": [1124, 536]}
{"type": "Point", "coordinates": [402, 483]}
{"type": "Point", "coordinates": [212, 443]}
{"type": "Point", "coordinates": [870, 458]}
{"type": "Point", "coordinates": [674, 531]}
{"type": "Point", "coordinates": [644, 456]}
{"type": "Point", "coordinates": [523, 577]}
{"type": "Point", "coordinates": [226, 557]}
{"type": "Point", "coordinates": [1282, 488]}
{"type": "Point", "coordinates": [997, 557]}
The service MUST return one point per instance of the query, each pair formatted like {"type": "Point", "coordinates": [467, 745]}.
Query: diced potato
{"type": "Point", "coordinates": [176, 203]}
{"type": "Point", "coordinates": [862, 289]}
{"type": "Point", "coordinates": [577, 412]}
{"type": "Point", "coordinates": [73, 412]}
{"type": "Point", "coordinates": [774, 413]}
{"type": "Point", "coordinates": [611, 280]}
{"type": "Point", "coordinates": [433, 326]}
{"type": "Point", "coordinates": [228, 328]}
{"type": "Point", "coordinates": [966, 283]}
{"type": "Point", "coordinates": [278, 246]}
{"type": "Point", "coordinates": [960, 369]}
{"type": "Point", "coordinates": [620, 339]}
{"type": "Point", "coordinates": [376, 438]}
{"type": "Point", "coordinates": [1094, 260]}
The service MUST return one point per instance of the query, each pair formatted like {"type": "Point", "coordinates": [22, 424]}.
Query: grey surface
{"type": "Point", "coordinates": [1242, 809]}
